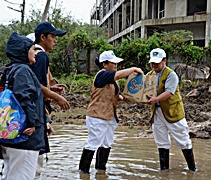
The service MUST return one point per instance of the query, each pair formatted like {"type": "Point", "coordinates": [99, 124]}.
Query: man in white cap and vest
{"type": "Point", "coordinates": [167, 112]}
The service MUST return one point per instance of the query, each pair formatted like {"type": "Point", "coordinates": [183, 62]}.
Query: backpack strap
{"type": "Point", "coordinates": [38, 49]}
{"type": "Point", "coordinates": [2, 77]}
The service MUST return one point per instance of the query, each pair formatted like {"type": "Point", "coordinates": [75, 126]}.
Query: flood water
{"type": "Point", "coordinates": [131, 157]}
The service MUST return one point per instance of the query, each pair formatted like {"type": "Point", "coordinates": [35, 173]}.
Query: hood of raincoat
{"type": "Point", "coordinates": [17, 48]}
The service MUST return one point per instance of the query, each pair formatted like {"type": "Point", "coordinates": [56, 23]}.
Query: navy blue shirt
{"type": "Point", "coordinates": [105, 77]}
{"type": "Point", "coordinates": [41, 67]}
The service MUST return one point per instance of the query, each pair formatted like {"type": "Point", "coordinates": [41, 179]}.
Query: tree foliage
{"type": "Point", "coordinates": [134, 51]}
{"type": "Point", "coordinates": [78, 37]}
{"type": "Point", "coordinates": [101, 45]}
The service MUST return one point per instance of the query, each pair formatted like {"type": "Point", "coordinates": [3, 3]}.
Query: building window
{"type": "Point", "coordinates": [196, 7]}
{"type": "Point", "coordinates": [162, 9]}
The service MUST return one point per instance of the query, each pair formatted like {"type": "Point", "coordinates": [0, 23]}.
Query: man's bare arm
{"type": "Point", "coordinates": [61, 101]}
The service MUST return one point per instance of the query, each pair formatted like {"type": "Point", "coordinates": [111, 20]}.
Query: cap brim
{"type": "Point", "coordinates": [155, 60]}
{"type": "Point", "coordinates": [59, 32]}
{"type": "Point", "coordinates": [115, 60]}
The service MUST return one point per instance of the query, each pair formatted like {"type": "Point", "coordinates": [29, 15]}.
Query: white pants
{"type": "Point", "coordinates": [100, 133]}
{"type": "Point", "coordinates": [179, 131]}
{"type": "Point", "coordinates": [19, 164]}
{"type": "Point", "coordinates": [39, 165]}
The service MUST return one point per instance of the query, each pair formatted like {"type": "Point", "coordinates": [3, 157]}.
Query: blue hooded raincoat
{"type": "Point", "coordinates": [26, 88]}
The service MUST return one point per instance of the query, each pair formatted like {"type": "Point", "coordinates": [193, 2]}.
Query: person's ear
{"type": "Point", "coordinates": [104, 65]}
{"type": "Point", "coordinates": [164, 60]}
{"type": "Point", "coordinates": [42, 37]}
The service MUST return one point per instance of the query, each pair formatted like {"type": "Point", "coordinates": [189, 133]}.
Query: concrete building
{"type": "Point", "coordinates": [140, 18]}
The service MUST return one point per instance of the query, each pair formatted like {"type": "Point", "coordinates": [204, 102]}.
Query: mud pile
{"type": "Point", "coordinates": [197, 103]}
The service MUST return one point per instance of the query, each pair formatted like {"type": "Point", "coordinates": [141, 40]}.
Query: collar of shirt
{"type": "Point", "coordinates": [157, 82]}
{"type": "Point", "coordinates": [38, 46]}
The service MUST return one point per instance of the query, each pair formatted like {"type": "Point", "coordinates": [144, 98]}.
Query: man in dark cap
{"type": "Point", "coordinates": [45, 40]}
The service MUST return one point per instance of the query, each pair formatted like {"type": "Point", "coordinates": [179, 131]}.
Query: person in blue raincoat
{"type": "Point", "coordinates": [20, 160]}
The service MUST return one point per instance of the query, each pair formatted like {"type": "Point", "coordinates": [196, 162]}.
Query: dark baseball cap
{"type": "Point", "coordinates": [48, 28]}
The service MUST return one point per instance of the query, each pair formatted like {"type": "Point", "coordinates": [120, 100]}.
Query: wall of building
{"type": "Point", "coordinates": [85, 62]}
{"type": "Point", "coordinates": [175, 8]}
{"type": "Point", "coordinates": [196, 28]}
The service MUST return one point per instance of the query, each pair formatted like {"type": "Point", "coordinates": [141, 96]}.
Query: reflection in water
{"type": "Point", "coordinates": [131, 157]}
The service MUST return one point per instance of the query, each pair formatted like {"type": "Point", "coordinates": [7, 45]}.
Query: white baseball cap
{"type": "Point", "coordinates": [109, 56]}
{"type": "Point", "coordinates": [31, 36]}
{"type": "Point", "coordinates": [157, 55]}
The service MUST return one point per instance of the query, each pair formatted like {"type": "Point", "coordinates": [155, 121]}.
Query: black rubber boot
{"type": "Point", "coordinates": [86, 159]}
{"type": "Point", "coordinates": [164, 158]}
{"type": "Point", "coordinates": [188, 153]}
{"type": "Point", "coordinates": [102, 158]}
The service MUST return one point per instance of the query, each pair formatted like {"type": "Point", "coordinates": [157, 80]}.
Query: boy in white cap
{"type": "Point", "coordinates": [101, 118]}
{"type": "Point", "coordinates": [167, 112]}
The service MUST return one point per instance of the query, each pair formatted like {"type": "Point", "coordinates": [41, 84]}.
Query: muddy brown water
{"type": "Point", "coordinates": [131, 157]}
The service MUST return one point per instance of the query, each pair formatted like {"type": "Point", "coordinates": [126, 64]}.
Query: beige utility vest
{"type": "Point", "coordinates": [103, 102]}
{"type": "Point", "coordinates": [172, 108]}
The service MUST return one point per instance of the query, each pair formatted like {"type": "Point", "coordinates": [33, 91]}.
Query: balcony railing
{"type": "Point", "coordinates": [162, 14]}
